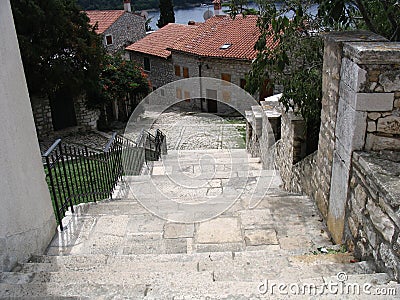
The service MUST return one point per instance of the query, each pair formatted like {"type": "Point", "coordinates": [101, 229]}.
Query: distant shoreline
{"type": "Point", "coordinates": [175, 7]}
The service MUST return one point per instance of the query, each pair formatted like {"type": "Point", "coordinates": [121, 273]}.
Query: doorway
{"type": "Point", "coordinates": [62, 109]}
{"type": "Point", "coordinates": [212, 106]}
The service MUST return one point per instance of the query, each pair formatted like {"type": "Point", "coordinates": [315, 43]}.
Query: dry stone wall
{"type": "Point", "coordinates": [42, 115]}
{"type": "Point", "coordinates": [373, 217]}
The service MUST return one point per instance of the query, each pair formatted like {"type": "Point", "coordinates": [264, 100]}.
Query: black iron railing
{"type": "Point", "coordinates": [77, 173]}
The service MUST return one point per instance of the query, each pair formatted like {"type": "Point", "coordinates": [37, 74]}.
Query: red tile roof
{"type": "Point", "coordinates": [156, 43]}
{"type": "Point", "coordinates": [207, 38]}
{"type": "Point", "coordinates": [104, 18]}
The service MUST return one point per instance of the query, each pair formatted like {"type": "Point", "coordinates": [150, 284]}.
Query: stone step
{"type": "Point", "coordinates": [243, 266]}
{"type": "Point", "coordinates": [127, 277]}
{"type": "Point", "coordinates": [204, 290]}
{"type": "Point", "coordinates": [291, 289]}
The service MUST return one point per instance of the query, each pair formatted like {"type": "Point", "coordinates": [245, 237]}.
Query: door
{"type": "Point", "coordinates": [212, 106]}
{"type": "Point", "coordinates": [62, 109]}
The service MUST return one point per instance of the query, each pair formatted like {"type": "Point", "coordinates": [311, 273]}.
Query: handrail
{"type": "Point", "coordinates": [52, 147]}
{"type": "Point", "coordinates": [77, 173]}
{"type": "Point", "coordinates": [110, 142]}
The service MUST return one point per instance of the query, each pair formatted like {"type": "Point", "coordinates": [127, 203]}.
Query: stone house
{"type": "Point", "coordinates": [221, 47]}
{"type": "Point", "coordinates": [153, 55]}
{"type": "Point", "coordinates": [119, 28]}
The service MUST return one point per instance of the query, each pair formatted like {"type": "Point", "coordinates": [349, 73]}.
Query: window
{"type": "Point", "coordinates": [187, 96]}
{"type": "Point", "coordinates": [226, 77]}
{"type": "Point", "coordinates": [146, 63]}
{"type": "Point", "coordinates": [178, 93]}
{"type": "Point", "coordinates": [226, 96]}
{"type": "Point", "coordinates": [109, 39]}
{"type": "Point", "coordinates": [225, 46]}
{"type": "Point", "coordinates": [177, 70]}
{"type": "Point", "coordinates": [185, 72]}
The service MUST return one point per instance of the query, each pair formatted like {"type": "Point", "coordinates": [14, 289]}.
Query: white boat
{"type": "Point", "coordinates": [204, 5]}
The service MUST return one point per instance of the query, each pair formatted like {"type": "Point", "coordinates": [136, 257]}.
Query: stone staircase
{"type": "Point", "coordinates": [238, 233]}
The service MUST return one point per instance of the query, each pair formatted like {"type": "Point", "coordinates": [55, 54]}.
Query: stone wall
{"type": "Point", "coordinates": [360, 112]}
{"type": "Point", "coordinates": [128, 29]}
{"type": "Point", "coordinates": [42, 115]}
{"type": "Point", "coordinates": [161, 69]}
{"type": "Point", "coordinates": [41, 109]}
{"type": "Point", "coordinates": [85, 116]}
{"type": "Point", "coordinates": [373, 220]}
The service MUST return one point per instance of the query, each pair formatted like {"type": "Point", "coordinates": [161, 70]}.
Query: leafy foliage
{"type": "Point", "coordinates": [379, 16]}
{"type": "Point", "coordinates": [235, 7]}
{"type": "Point", "coordinates": [59, 48]}
{"type": "Point", "coordinates": [120, 79]}
{"type": "Point", "coordinates": [167, 14]}
{"type": "Point", "coordinates": [137, 4]}
{"type": "Point", "coordinates": [294, 62]}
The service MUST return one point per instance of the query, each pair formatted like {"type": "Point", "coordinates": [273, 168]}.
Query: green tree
{"type": "Point", "coordinates": [122, 85]}
{"type": "Point", "coordinates": [59, 48]}
{"type": "Point", "coordinates": [379, 16]}
{"type": "Point", "coordinates": [295, 61]}
{"type": "Point", "coordinates": [167, 14]}
{"type": "Point", "coordinates": [121, 79]}
{"type": "Point", "coordinates": [289, 56]}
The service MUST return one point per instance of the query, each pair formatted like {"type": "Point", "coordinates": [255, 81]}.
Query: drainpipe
{"type": "Point", "coordinates": [200, 64]}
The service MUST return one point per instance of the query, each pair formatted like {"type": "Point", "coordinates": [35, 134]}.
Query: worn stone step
{"type": "Point", "coordinates": [72, 291]}
{"type": "Point", "coordinates": [188, 289]}
{"type": "Point", "coordinates": [123, 277]}
{"type": "Point", "coordinates": [225, 266]}
{"type": "Point", "coordinates": [254, 290]}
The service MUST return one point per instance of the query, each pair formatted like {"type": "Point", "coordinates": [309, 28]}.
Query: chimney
{"type": "Point", "coordinates": [217, 7]}
{"type": "Point", "coordinates": [127, 5]}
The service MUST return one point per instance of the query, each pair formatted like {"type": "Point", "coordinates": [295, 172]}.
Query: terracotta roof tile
{"type": "Point", "coordinates": [156, 43]}
{"type": "Point", "coordinates": [207, 38]}
{"type": "Point", "coordinates": [104, 18]}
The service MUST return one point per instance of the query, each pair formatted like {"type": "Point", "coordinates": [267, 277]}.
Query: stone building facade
{"type": "Point", "coordinates": [221, 48]}
{"type": "Point", "coordinates": [153, 55]}
{"type": "Point", "coordinates": [353, 176]}
{"type": "Point", "coordinates": [118, 28]}
{"type": "Point", "coordinates": [160, 69]}
{"type": "Point", "coordinates": [186, 65]}
{"type": "Point", "coordinates": [126, 30]}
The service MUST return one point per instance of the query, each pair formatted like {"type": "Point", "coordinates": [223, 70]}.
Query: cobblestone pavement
{"type": "Point", "coordinates": [184, 130]}
{"type": "Point", "coordinates": [195, 130]}
{"type": "Point", "coordinates": [92, 139]}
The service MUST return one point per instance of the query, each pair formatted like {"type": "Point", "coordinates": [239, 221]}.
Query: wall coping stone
{"type": "Point", "coordinates": [382, 53]}
{"type": "Point", "coordinates": [352, 36]}
{"type": "Point", "coordinates": [384, 169]}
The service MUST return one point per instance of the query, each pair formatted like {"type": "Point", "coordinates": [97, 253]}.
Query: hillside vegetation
{"type": "Point", "coordinates": [136, 4]}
